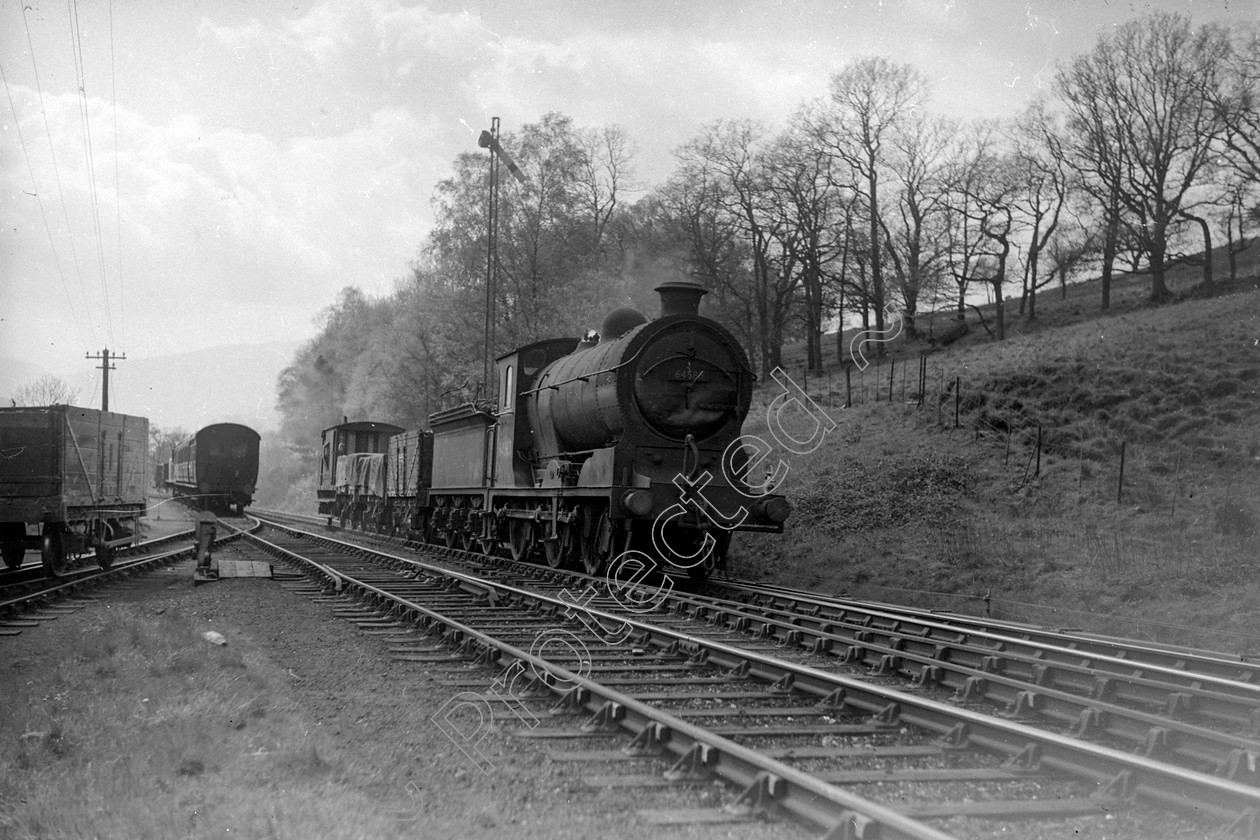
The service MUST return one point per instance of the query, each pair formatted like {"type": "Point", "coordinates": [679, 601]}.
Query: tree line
{"type": "Point", "coordinates": [1145, 152]}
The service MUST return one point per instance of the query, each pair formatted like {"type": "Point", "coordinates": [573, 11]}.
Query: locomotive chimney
{"type": "Point", "coordinates": [680, 297]}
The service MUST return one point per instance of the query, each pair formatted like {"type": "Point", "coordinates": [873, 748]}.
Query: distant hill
{"type": "Point", "coordinates": [233, 383]}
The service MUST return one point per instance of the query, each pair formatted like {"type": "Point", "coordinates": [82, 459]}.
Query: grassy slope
{"type": "Point", "coordinates": [895, 507]}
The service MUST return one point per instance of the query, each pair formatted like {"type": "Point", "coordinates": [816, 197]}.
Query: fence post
{"type": "Point", "coordinates": [940, 394]}
{"type": "Point", "coordinates": [892, 369]}
{"type": "Point", "coordinates": [848, 386]}
{"type": "Point", "coordinates": [922, 378]}
{"type": "Point", "coordinates": [957, 391]}
{"type": "Point", "coordinates": [1120, 483]}
{"type": "Point", "coordinates": [1038, 470]}
{"type": "Point", "coordinates": [1176, 485]}
{"type": "Point", "coordinates": [1080, 477]}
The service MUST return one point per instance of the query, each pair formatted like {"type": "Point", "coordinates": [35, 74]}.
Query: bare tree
{"type": "Point", "coordinates": [1043, 180]}
{"type": "Point", "coordinates": [809, 202]}
{"type": "Point", "coordinates": [729, 154]}
{"type": "Point", "coordinates": [1237, 102]}
{"type": "Point", "coordinates": [605, 175]}
{"type": "Point", "coordinates": [914, 228]}
{"type": "Point", "coordinates": [1138, 102]}
{"type": "Point", "coordinates": [872, 99]}
{"type": "Point", "coordinates": [981, 213]}
{"type": "Point", "coordinates": [1069, 252]}
{"type": "Point", "coordinates": [162, 442]}
{"type": "Point", "coordinates": [44, 390]}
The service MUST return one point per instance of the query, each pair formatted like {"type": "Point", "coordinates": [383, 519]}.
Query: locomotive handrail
{"type": "Point", "coordinates": [584, 377]}
{"type": "Point", "coordinates": [589, 374]}
{"type": "Point", "coordinates": [678, 355]}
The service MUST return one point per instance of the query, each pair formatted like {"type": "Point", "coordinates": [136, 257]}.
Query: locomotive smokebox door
{"type": "Point", "coordinates": [206, 569]}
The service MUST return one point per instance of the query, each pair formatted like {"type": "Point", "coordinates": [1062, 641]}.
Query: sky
{"type": "Point", "coordinates": [179, 175]}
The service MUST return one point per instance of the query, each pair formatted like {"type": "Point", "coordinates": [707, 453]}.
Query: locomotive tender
{"type": "Point", "coordinates": [75, 475]}
{"type": "Point", "coordinates": [217, 467]}
{"type": "Point", "coordinates": [628, 440]}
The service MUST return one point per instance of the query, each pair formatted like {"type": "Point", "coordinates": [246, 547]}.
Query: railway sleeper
{"type": "Point", "coordinates": [835, 701]}
{"type": "Point", "coordinates": [650, 742]}
{"type": "Point", "coordinates": [1247, 825]}
{"type": "Point", "coordinates": [1027, 760]}
{"type": "Point", "coordinates": [1241, 765]}
{"type": "Point", "coordinates": [693, 765]}
{"type": "Point", "coordinates": [607, 719]}
{"type": "Point", "coordinates": [572, 702]}
{"type": "Point", "coordinates": [853, 826]}
{"type": "Point", "coordinates": [1027, 705]}
{"type": "Point", "coordinates": [929, 675]}
{"type": "Point", "coordinates": [758, 799]}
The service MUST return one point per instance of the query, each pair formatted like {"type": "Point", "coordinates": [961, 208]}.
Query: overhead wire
{"type": "Point", "coordinates": [65, 213]}
{"type": "Point", "coordinates": [17, 122]}
{"type": "Point", "coordinates": [113, 79]}
{"type": "Point", "coordinates": [77, 46]}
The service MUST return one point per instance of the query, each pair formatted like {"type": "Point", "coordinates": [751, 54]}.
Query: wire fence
{"type": "Point", "coordinates": [1155, 475]}
{"type": "Point", "coordinates": [1198, 521]}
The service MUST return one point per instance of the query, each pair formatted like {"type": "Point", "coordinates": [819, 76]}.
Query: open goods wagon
{"type": "Point", "coordinates": [71, 480]}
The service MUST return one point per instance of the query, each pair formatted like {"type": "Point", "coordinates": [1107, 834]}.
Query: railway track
{"type": "Point", "coordinates": [865, 725]}
{"type": "Point", "coordinates": [34, 572]}
{"type": "Point", "coordinates": [28, 597]}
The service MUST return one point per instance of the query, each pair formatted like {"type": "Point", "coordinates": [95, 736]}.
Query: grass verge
{"type": "Point", "coordinates": [143, 729]}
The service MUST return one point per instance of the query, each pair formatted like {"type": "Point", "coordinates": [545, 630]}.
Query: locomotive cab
{"type": "Point", "coordinates": [517, 461]}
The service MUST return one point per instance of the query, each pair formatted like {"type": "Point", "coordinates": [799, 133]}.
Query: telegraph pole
{"type": "Point", "coordinates": [105, 367]}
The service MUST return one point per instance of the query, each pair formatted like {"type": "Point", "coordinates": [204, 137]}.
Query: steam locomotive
{"type": "Point", "coordinates": [628, 439]}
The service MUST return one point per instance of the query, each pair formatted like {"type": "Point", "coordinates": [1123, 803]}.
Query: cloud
{"type": "Point", "coordinates": [211, 219]}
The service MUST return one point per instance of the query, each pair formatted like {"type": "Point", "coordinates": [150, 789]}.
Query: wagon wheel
{"type": "Point", "coordinates": [560, 549]}
{"type": "Point", "coordinates": [103, 552]}
{"type": "Point", "coordinates": [13, 554]}
{"type": "Point", "coordinates": [467, 541]}
{"type": "Point", "coordinates": [429, 532]}
{"type": "Point", "coordinates": [595, 540]}
{"type": "Point", "coordinates": [104, 556]}
{"type": "Point", "coordinates": [13, 543]}
{"type": "Point", "coordinates": [520, 538]}
{"type": "Point", "coordinates": [53, 550]}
